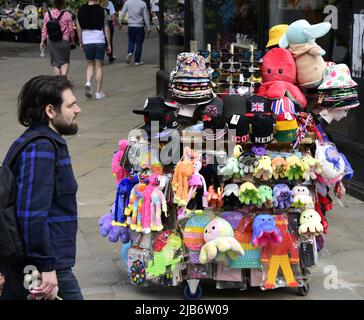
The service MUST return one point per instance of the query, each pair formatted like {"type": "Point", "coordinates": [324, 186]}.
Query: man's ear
{"type": "Point", "coordinates": [50, 112]}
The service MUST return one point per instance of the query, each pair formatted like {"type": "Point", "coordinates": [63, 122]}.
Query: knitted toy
{"type": "Point", "coordinates": [147, 203]}
{"type": "Point", "coordinates": [183, 170]}
{"type": "Point", "coordinates": [215, 198]}
{"type": "Point", "coordinates": [310, 223]}
{"type": "Point", "coordinates": [281, 255]}
{"type": "Point", "coordinates": [249, 194]}
{"type": "Point", "coordinates": [302, 198]}
{"type": "Point", "coordinates": [279, 74]}
{"type": "Point", "coordinates": [282, 196]}
{"type": "Point", "coordinates": [243, 234]}
{"type": "Point", "coordinates": [158, 205]}
{"type": "Point", "coordinates": [294, 169]}
{"type": "Point", "coordinates": [166, 244]}
{"type": "Point", "coordinates": [265, 231]}
{"type": "Point", "coordinates": [118, 171]}
{"type": "Point", "coordinates": [219, 242]}
{"type": "Point", "coordinates": [264, 169]}
{"type": "Point", "coordinates": [279, 167]}
{"type": "Point", "coordinates": [300, 38]}
{"type": "Point", "coordinates": [247, 163]}
{"type": "Point", "coordinates": [193, 234]}
{"type": "Point", "coordinates": [230, 169]}
{"type": "Point", "coordinates": [266, 196]}
{"type": "Point", "coordinates": [136, 205]}
{"type": "Point", "coordinates": [311, 167]}
{"type": "Point", "coordinates": [122, 198]}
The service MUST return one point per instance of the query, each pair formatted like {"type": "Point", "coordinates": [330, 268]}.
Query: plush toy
{"type": "Point", "coordinates": [183, 170]}
{"type": "Point", "coordinates": [230, 196]}
{"type": "Point", "coordinates": [215, 198]}
{"type": "Point", "coordinates": [265, 231]}
{"type": "Point", "coordinates": [302, 198]}
{"type": "Point", "coordinates": [230, 169]}
{"type": "Point", "coordinates": [105, 223]}
{"type": "Point", "coordinates": [247, 163]}
{"type": "Point", "coordinates": [264, 169]}
{"type": "Point", "coordinates": [118, 171]}
{"type": "Point", "coordinates": [279, 75]}
{"type": "Point", "coordinates": [282, 196]}
{"type": "Point", "coordinates": [279, 167]}
{"type": "Point", "coordinates": [311, 167]}
{"type": "Point", "coordinates": [310, 223]}
{"type": "Point", "coordinates": [219, 242]}
{"type": "Point", "coordinates": [300, 38]}
{"type": "Point", "coordinates": [117, 232]}
{"type": "Point", "coordinates": [166, 244]}
{"type": "Point", "coordinates": [281, 256]}
{"type": "Point", "coordinates": [33, 280]}
{"type": "Point", "coordinates": [109, 227]}
{"type": "Point", "coordinates": [266, 196]}
{"type": "Point", "coordinates": [249, 194]}
{"type": "Point", "coordinates": [158, 205]}
{"type": "Point", "coordinates": [294, 169]}
{"type": "Point", "coordinates": [147, 203]}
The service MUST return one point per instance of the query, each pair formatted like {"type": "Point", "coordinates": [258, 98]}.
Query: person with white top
{"type": "Point", "coordinates": [92, 27]}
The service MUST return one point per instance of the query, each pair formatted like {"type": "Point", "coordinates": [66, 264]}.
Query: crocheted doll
{"type": "Point", "coordinates": [147, 203]}
{"type": "Point", "coordinates": [158, 206]}
{"type": "Point", "coordinates": [118, 171]}
{"type": "Point", "coordinates": [183, 170]}
{"type": "Point", "coordinates": [281, 255]}
{"type": "Point", "coordinates": [279, 75]}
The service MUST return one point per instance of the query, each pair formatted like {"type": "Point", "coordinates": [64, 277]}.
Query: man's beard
{"type": "Point", "coordinates": [62, 128]}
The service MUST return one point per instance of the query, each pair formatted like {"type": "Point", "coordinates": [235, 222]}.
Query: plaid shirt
{"type": "Point", "coordinates": [47, 217]}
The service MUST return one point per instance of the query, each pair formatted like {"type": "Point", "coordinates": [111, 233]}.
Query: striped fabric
{"type": "Point", "coordinates": [47, 220]}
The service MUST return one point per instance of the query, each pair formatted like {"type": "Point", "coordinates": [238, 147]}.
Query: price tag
{"type": "Point", "coordinates": [235, 119]}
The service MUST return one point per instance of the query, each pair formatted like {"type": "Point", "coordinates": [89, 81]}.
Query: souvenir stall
{"type": "Point", "coordinates": [236, 188]}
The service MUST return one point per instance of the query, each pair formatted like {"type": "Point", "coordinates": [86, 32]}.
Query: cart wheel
{"type": "Point", "coordinates": [304, 290]}
{"type": "Point", "coordinates": [192, 296]}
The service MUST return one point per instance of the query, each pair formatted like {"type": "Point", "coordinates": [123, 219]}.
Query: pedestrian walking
{"type": "Point", "coordinates": [46, 207]}
{"type": "Point", "coordinates": [58, 36]}
{"type": "Point", "coordinates": [112, 19]}
{"type": "Point", "coordinates": [138, 21]}
{"type": "Point", "coordinates": [92, 27]}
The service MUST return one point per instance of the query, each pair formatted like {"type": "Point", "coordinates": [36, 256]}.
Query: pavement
{"type": "Point", "coordinates": [339, 273]}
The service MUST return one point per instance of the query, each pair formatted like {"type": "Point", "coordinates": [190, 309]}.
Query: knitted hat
{"type": "Point", "coordinates": [234, 104]}
{"type": "Point", "coordinates": [262, 129]}
{"type": "Point", "coordinates": [284, 109]}
{"type": "Point", "coordinates": [243, 234]}
{"type": "Point", "coordinates": [240, 124]}
{"type": "Point", "coordinates": [286, 130]}
{"type": "Point", "coordinates": [275, 33]}
{"type": "Point", "coordinates": [258, 104]}
{"type": "Point", "coordinates": [214, 124]}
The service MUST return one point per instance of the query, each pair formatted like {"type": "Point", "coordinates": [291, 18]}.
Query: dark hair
{"type": "Point", "coordinates": [59, 4]}
{"type": "Point", "coordinates": [36, 94]}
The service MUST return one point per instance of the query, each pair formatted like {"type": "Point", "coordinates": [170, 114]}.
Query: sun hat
{"type": "Point", "coordinates": [337, 76]}
{"type": "Point", "coordinates": [190, 65]}
{"type": "Point", "coordinates": [276, 33]}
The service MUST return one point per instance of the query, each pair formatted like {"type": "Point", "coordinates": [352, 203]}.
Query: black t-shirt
{"type": "Point", "coordinates": [91, 17]}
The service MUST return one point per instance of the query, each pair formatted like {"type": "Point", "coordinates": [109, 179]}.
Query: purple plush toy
{"type": "Point", "coordinates": [282, 196]}
{"type": "Point", "coordinates": [114, 232]}
{"type": "Point", "coordinates": [105, 224]}
{"type": "Point", "coordinates": [265, 231]}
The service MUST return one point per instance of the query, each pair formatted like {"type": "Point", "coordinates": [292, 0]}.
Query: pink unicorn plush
{"type": "Point", "coordinates": [118, 171]}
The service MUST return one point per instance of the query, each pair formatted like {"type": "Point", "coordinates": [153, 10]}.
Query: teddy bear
{"type": "Point", "coordinates": [279, 74]}
{"type": "Point", "coordinates": [300, 38]}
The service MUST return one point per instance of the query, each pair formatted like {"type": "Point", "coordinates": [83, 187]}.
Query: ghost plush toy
{"type": "Point", "coordinates": [220, 243]}
{"type": "Point", "coordinates": [310, 223]}
{"type": "Point", "coordinates": [301, 197]}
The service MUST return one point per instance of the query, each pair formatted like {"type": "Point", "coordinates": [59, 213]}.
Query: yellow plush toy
{"type": "Point", "coordinates": [264, 169]}
{"type": "Point", "coordinates": [311, 167]}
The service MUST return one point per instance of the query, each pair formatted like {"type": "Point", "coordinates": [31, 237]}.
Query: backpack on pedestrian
{"type": "Point", "coordinates": [11, 243]}
{"type": "Point", "coordinates": [54, 30]}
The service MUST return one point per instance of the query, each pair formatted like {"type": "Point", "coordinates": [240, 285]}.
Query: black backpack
{"type": "Point", "coordinates": [54, 30]}
{"type": "Point", "coordinates": [11, 243]}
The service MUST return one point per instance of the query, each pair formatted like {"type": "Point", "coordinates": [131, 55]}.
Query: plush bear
{"type": "Point", "coordinates": [300, 38]}
{"type": "Point", "coordinates": [279, 74]}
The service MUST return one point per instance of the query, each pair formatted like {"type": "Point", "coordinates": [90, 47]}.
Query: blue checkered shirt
{"type": "Point", "coordinates": [46, 211]}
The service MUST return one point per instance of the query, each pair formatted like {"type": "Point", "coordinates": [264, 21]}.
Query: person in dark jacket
{"type": "Point", "coordinates": [46, 190]}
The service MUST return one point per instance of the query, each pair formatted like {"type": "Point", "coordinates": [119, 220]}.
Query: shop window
{"type": "Point", "coordinates": [174, 32]}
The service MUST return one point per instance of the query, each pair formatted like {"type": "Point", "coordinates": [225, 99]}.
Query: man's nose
{"type": "Point", "coordinates": [77, 109]}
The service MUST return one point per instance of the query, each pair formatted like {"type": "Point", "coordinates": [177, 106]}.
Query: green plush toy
{"type": "Point", "coordinates": [249, 194]}
{"type": "Point", "coordinates": [295, 168]}
{"type": "Point", "coordinates": [266, 196]}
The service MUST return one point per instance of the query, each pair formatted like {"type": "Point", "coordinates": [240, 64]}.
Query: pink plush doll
{"type": "Point", "coordinates": [279, 74]}
{"type": "Point", "coordinates": [147, 203]}
{"type": "Point", "coordinates": [118, 171]}
{"type": "Point", "coordinates": [159, 205]}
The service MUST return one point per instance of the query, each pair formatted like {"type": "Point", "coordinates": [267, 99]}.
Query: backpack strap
{"type": "Point", "coordinates": [50, 16]}
{"type": "Point", "coordinates": [28, 140]}
{"type": "Point", "coordinates": [60, 16]}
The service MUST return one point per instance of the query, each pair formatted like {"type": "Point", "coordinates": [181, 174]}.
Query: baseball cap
{"type": "Point", "coordinates": [156, 103]}
{"type": "Point", "coordinates": [262, 128]}
{"type": "Point", "coordinates": [165, 119]}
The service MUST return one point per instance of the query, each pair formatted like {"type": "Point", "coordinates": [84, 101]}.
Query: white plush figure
{"type": "Point", "coordinates": [310, 223]}
{"type": "Point", "coordinates": [301, 197]}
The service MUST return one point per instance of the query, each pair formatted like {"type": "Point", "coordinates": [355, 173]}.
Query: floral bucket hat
{"type": "Point", "coordinates": [190, 65]}
{"type": "Point", "coordinates": [337, 76]}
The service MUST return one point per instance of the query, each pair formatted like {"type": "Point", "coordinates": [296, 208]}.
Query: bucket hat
{"type": "Point", "coordinates": [276, 33]}
{"type": "Point", "coordinates": [337, 76]}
